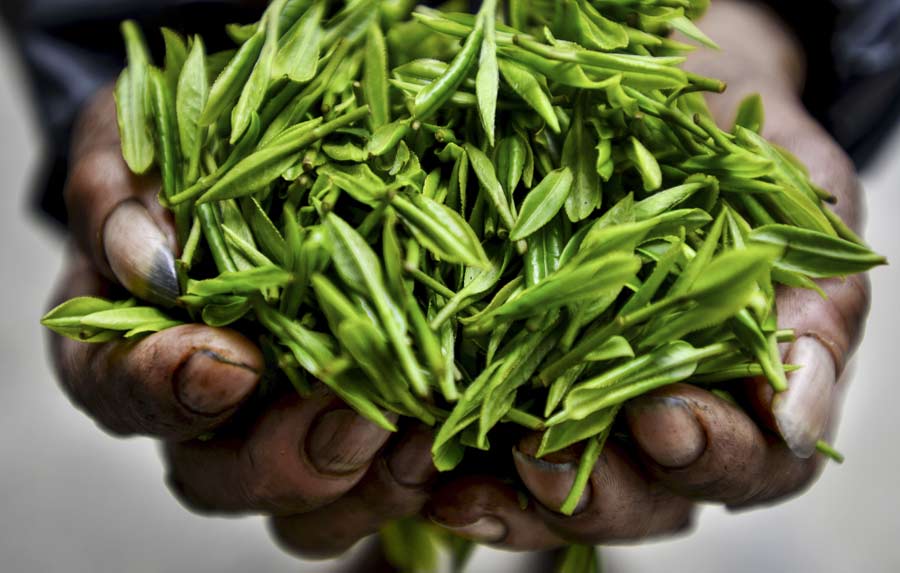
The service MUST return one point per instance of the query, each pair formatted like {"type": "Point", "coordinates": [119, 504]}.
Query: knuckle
{"type": "Point", "coordinates": [86, 177]}
{"type": "Point", "coordinates": [300, 539]}
{"type": "Point", "coordinates": [253, 486]}
{"type": "Point", "coordinates": [90, 389]}
{"type": "Point", "coordinates": [182, 492]}
{"type": "Point", "coordinates": [791, 476]}
{"type": "Point", "coordinates": [836, 321]}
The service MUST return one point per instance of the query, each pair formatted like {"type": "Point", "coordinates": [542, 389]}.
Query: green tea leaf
{"type": "Point", "coordinates": [229, 86]}
{"type": "Point", "coordinates": [375, 79]}
{"type": "Point", "coordinates": [484, 170]}
{"type": "Point", "coordinates": [487, 80]}
{"type": "Point", "coordinates": [176, 55]}
{"type": "Point", "coordinates": [816, 254]}
{"type": "Point", "coordinates": [572, 284]}
{"type": "Point", "coordinates": [543, 203]}
{"type": "Point", "coordinates": [441, 230]}
{"type": "Point", "coordinates": [437, 93]}
{"type": "Point", "coordinates": [191, 98]}
{"type": "Point", "coordinates": [298, 53]}
{"type": "Point", "coordinates": [579, 154]}
{"type": "Point", "coordinates": [684, 25]}
{"type": "Point", "coordinates": [662, 201]}
{"type": "Point", "coordinates": [131, 96]}
{"type": "Point", "coordinates": [750, 114]}
{"type": "Point", "coordinates": [241, 282]}
{"type": "Point", "coordinates": [221, 315]}
{"type": "Point", "coordinates": [646, 164]}
{"type": "Point", "coordinates": [254, 91]}
{"type": "Point", "coordinates": [125, 319]}
{"type": "Point", "coordinates": [563, 435]}
{"type": "Point", "coordinates": [615, 347]}
{"type": "Point", "coordinates": [528, 87]}
{"type": "Point", "coordinates": [358, 180]}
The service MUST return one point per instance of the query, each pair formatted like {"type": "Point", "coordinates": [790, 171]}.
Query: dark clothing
{"type": "Point", "coordinates": [72, 47]}
{"type": "Point", "coordinates": [853, 56]}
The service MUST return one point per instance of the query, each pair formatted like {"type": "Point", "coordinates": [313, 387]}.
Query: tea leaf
{"type": "Point", "coordinates": [488, 79]}
{"type": "Point", "coordinates": [191, 98]}
{"type": "Point", "coordinates": [375, 80]}
{"type": "Point", "coordinates": [543, 203]}
{"type": "Point", "coordinates": [815, 254]}
{"type": "Point", "coordinates": [228, 87]}
{"type": "Point", "coordinates": [131, 96]}
{"type": "Point", "coordinates": [579, 154]}
{"type": "Point", "coordinates": [241, 282]}
{"type": "Point", "coordinates": [298, 53]}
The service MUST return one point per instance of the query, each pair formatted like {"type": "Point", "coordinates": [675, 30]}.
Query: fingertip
{"type": "Point", "coordinates": [139, 255]}
{"type": "Point", "coordinates": [802, 412]}
{"type": "Point", "coordinates": [666, 429]}
{"type": "Point", "coordinates": [488, 510]}
{"type": "Point", "coordinates": [467, 507]}
{"type": "Point", "coordinates": [409, 460]}
{"type": "Point", "coordinates": [208, 384]}
{"type": "Point", "coordinates": [341, 442]}
{"type": "Point", "coordinates": [550, 478]}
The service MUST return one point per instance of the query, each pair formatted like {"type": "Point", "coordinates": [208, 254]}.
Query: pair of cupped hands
{"type": "Point", "coordinates": [329, 478]}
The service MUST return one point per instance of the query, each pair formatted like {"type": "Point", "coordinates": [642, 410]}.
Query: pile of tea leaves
{"type": "Point", "coordinates": [519, 218]}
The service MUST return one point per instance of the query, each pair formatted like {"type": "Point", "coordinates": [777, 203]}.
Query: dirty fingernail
{"type": "Point", "coordinates": [666, 430]}
{"type": "Point", "coordinates": [410, 460]}
{"type": "Point", "coordinates": [802, 411]}
{"type": "Point", "coordinates": [208, 384]}
{"type": "Point", "coordinates": [342, 442]}
{"type": "Point", "coordinates": [139, 255]}
{"type": "Point", "coordinates": [550, 480]}
{"type": "Point", "coordinates": [487, 529]}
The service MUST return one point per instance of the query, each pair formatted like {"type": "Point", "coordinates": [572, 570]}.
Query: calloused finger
{"type": "Point", "coordinates": [395, 487]}
{"type": "Point", "coordinates": [490, 511]}
{"type": "Point", "coordinates": [299, 455]}
{"type": "Point", "coordinates": [619, 503]}
{"type": "Point", "coordinates": [114, 215]}
{"type": "Point", "coordinates": [175, 384]}
{"type": "Point", "coordinates": [828, 331]}
{"type": "Point", "coordinates": [700, 446]}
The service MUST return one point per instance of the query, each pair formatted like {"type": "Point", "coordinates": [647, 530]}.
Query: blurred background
{"type": "Point", "coordinates": [73, 499]}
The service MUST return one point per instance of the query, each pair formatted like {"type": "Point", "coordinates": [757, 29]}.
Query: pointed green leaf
{"type": "Point", "coordinates": [816, 254]}
{"type": "Point", "coordinates": [298, 53]}
{"type": "Point", "coordinates": [543, 203]}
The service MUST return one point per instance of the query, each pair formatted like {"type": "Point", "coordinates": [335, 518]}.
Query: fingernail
{"type": "Point", "coordinates": [209, 384]}
{"type": "Point", "coordinates": [666, 430]}
{"type": "Point", "coordinates": [139, 255]}
{"type": "Point", "coordinates": [549, 480]}
{"type": "Point", "coordinates": [487, 529]}
{"type": "Point", "coordinates": [802, 411]}
{"type": "Point", "coordinates": [410, 461]}
{"type": "Point", "coordinates": [342, 442]}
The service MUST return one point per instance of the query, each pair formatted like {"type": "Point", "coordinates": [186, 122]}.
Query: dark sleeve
{"type": "Point", "coordinates": [853, 55]}
{"type": "Point", "coordinates": [70, 48]}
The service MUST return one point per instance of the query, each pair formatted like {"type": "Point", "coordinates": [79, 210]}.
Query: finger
{"type": "Point", "coordinates": [486, 510]}
{"type": "Point", "coordinates": [114, 215]}
{"type": "Point", "coordinates": [301, 454]}
{"type": "Point", "coordinates": [175, 384]}
{"type": "Point", "coordinates": [619, 504]}
{"type": "Point", "coordinates": [395, 487]}
{"type": "Point", "coordinates": [703, 447]}
{"type": "Point", "coordinates": [828, 331]}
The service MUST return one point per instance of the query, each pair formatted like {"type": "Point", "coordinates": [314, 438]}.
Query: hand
{"type": "Point", "coordinates": [293, 460]}
{"type": "Point", "coordinates": [687, 444]}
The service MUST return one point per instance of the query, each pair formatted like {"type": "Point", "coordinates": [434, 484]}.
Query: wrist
{"type": "Point", "coordinates": [759, 54]}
